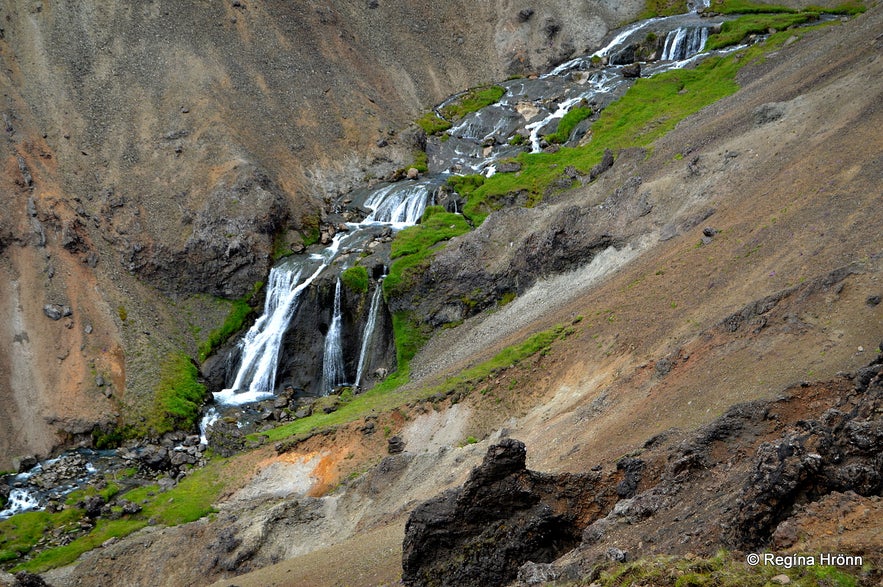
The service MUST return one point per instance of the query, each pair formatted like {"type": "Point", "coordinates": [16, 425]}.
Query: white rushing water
{"type": "Point", "coordinates": [20, 500]}
{"type": "Point", "coordinates": [255, 380]}
{"type": "Point", "coordinates": [333, 374]}
{"type": "Point", "coordinates": [369, 331]}
{"type": "Point", "coordinates": [210, 417]}
{"type": "Point", "coordinates": [403, 203]}
{"type": "Point", "coordinates": [397, 204]}
{"type": "Point", "coordinates": [684, 42]}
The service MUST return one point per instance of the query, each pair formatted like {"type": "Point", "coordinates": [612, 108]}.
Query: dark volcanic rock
{"type": "Point", "coordinates": [225, 438]}
{"type": "Point", "coordinates": [231, 243]}
{"type": "Point", "coordinates": [840, 452]}
{"type": "Point", "coordinates": [501, 518]}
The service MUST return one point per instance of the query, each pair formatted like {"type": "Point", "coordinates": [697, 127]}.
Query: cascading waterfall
{"type": "Point", "coordinates": [20, 500]}
{"type": "Point", "coordinates": [684, 42]}
{"type": "Point", "coordinates": [402, 204]}
{"type": "Point", "coordinates": [369, 331]}
{"type": "Point", "coordinates": [397, 205]}
{"type": "Point", "coordinates": [259, 348]}
{"type": "Point", "coordinates": [210, 417]}
{"type": "Point", "coordinates": [333, 374]}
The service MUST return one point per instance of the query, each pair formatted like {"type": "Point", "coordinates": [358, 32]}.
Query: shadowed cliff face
{"type": "Point", "coordinates": [157, 150]}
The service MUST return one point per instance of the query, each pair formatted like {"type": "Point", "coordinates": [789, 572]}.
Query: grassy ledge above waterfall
{"type": "Point", "coordinates": [471, 101]}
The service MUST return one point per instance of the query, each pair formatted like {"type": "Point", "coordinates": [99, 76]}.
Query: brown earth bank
{"type": "Point", "coordinates": [638, 395]}
{"type": "Point", "coordinates": [157, 152]}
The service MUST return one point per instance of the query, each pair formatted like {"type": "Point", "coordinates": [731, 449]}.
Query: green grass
{"type": "Point", "coordinates": [239, 312]}
{"type": "Point", "coordinates": [387, 395]}
{"type": "Point", "coordinates": [310, 230]}
{"type": "Point", "coordinates": [651, 108]}
{"type": "Point", "coordinates": [355, 278]}
{"type": "Point", "coordinates": [654, 8]}
{"type": "Point", "coordinates": [20, 533]}
{"type": "Point", "coordinates": [432, 124]}
{"type": "Point", "coordinates": [573, 117]}
{"type": "Point", "coordinates": [746, 7]}
{"type": "Point", "coordinates": [190, 500]}
{"type": "Point", "coordinates": [849, 8]}
{"type": "Point", "coordinates": [473, 100]}
{"type": "Point", "coordinates": [410, 336]}
{"type": "Point", "coordinates": [413, 247]}
{"type": "Point", "coordinates": [721, 570]}
{"type": "Point", "coordinates": [733, 31]}
{"type": "Point", "coordinates": [177, 397]}
{"type": "Point", "coordinates": [421, 161]}
{"type": "Point", "coordinates": [466, 185]}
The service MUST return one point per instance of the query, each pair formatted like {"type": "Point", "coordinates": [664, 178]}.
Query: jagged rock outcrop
{"type": "Point", "coordinates": [504, 516]}
{"type": "Point", "coordinates": [731, 484]}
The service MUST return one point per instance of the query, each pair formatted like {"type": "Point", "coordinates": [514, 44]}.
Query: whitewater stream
{"type": "Point", "coordinates": [529, 108]}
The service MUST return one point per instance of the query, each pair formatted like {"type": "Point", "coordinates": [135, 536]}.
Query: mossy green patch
{"type": "Point", "coordinates": [651, 108]}
{"type": "Point", "coordinates": [387, 395]}
{"type": "Point", "coordinates": [721, 570]}
{"type": "Point", "coordinates": [472, 101]}
{"type": "Point", "coordinates": [433, 124]}
{"type": "Point", "coordinates": [653, 8]}
{"type": "Point", "coordinates": [177, 398]}
{"type": "Point", "coordinates": [239, 312]}
{"type": "Point", "coordinates": [20, 533]}
{"type": "Point", "coordinates": [734, 31]}
{"type": "Point", "coordinates": [355, 278]}
{"type": "Point", "coordinates": [189, 500]}
{"type": "Point", "coordinates": [568, 122]}
{"type": "Point", "coordinates": [309, 230]}
{"type": "Point", "coordinates": [746, 7]}
{"type": "Point", "coordinates": [412, 248]}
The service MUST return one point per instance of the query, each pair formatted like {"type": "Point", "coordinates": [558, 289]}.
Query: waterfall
{"type": "Point", "coordinates": [256, 377]}
{"type": "Point", "coordinates": [397, 204]}
{"type": "Point", "coordinates": [684, 42]}
{"type": "Point", "coordinates": [210, 417]}
{"type": "Point", "coordinates": [20, 500]}
{"type": "Point", "coordinates": [369, 330]}
{"type": "Point", "coordinates": [333, 373]}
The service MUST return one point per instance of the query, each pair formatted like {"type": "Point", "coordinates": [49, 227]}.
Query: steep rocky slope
{"type": "Point", "coordinates": [767, 308]}
{"type": "Point", "coordinates": [156, 152]}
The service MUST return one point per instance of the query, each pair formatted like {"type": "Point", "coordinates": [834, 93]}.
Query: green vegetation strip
{"type": "Point", "coordinates": [414, 245]}
{"type": "Point", "coordinates": [472, 101]}
{"type": "Point", "coordinates": [734, 31]}
{"type": "Point", "coordinates": [190, 500]}
{"type": "Point", "coordinates": [722, 570]}
{"type": "Point", "coordinates": [383, 398]}
{"type": "Point", "coordinates": [177, 398]}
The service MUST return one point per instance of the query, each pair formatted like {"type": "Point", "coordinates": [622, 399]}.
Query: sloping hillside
{"type": "Point", "coordinates": [158, 157]}
{"type": "Point", "coordinates": [754, 275]}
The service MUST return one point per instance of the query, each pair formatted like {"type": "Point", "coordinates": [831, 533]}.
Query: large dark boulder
{"type": "Point", "coordinates": [503, 517]}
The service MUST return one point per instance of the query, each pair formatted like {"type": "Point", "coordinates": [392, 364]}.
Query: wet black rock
{"type": "Point", "coordinates": [631, 70]}
{"type": "Point", "coordinates": [26, 579]}
{"type": "Point", "coordinates": [155, 458]}
{"type": "Point", "coordinates": [92, 505]}
{"type": "Point", "coordinates": [225, 438]}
